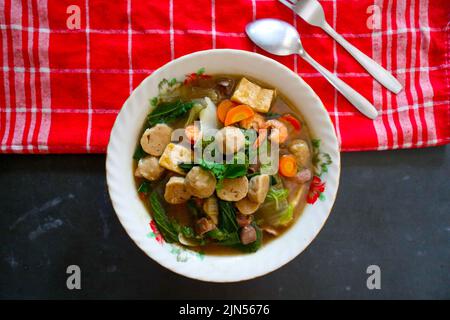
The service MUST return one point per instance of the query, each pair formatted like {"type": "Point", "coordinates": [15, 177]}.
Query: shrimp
{"type": "Point", "coordinates": [254, 122]}
{"type": "Point", "coordinates": [278, 132]}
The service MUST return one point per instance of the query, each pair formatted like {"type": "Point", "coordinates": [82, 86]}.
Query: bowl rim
{"type": "Point", "coordinates": [287, 258]}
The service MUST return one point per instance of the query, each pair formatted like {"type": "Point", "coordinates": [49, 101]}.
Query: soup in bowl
{"type": "Point", "coordinates": [231, 172]}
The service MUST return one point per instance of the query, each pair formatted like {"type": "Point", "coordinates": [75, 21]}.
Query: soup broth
{"type": "Point", "coordinates": [189, 206]}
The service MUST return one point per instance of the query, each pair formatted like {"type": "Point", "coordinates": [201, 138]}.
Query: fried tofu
{"type": "Point", "coordinates": [251, 94]}
{"type": "Point", "coordinates": [173, 155]}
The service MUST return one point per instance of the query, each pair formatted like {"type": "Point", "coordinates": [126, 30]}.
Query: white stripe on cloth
{"type": "Point", "coordinates": [88, 75]}
{"type": "Point", "coordinates": [390, 97]}
{"type": "Point", "coordinates": [5, 77]}
{"type": "Point", "coordinates": [335, 65]}
{"type": "Point", "coordinates": [425, 83]}
{"type": "Point", "coordinates": [130, 48]}
{"type": "Point", "coordinates": [171, 32]}
{"type": "Point", "coordinates": [46, 93]}
{"type": "Point", "coordinates": [412, 75]}
{"type": "Point", "coordinates": [19, 82]}
{"type": "Point", "coordinates": [213, 23]}
{"type": "Point", "coordinates": [377, 49]}
{"type": "Point", "coordinates": [32, 78]}
{"type": "Point", "coordinates": [254, 18]}
{"type": "Point", "coordinates": [402, 42]}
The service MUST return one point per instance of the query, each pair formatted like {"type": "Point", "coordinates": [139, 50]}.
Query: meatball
{"type": "Point", "coordinates": [149, 168]}
{"type": "Point", "coordinates": [230, 140]}
{"type": "Point", "coordinates": [176, 192]}
{"type": "Point", "coordinates": [211, 208]}
{"type": "Point", "coordinates": [248, 235]}
{"type": "Point", "coordinates": [299, 148]}
{"type": "Point", "coordinates": [155, 139]}
{"type": "Point", "coordinates": [246, 206]}
{"type": "Point", "coordinates": [233, 189]}
{"type": "Point", "coordinates": [258, 188]}
{"type": "Point", "coordinates": [200, 183]}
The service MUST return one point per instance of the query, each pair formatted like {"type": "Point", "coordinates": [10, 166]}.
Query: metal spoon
{"type": "Point", "coordinates": [281, 38]}
{"type": "Point", "coordinates": [312, 12]}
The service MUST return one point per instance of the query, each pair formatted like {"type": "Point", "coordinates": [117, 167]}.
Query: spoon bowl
{"type": "Point", "coordinates": [274, 36]}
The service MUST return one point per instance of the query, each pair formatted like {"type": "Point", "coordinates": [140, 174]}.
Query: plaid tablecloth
{"type": "Point", "coordinates": [62, 85]}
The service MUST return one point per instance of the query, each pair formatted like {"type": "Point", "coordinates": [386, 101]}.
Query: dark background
{"type": "Point", "coordinates": [392, 210]}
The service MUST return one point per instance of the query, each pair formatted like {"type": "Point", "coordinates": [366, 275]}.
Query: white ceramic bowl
{"type": "Point", "coordinates": [137, 221]}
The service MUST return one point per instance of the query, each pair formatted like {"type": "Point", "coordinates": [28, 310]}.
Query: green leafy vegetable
{"type": "Point", "coordinates": [144, 187]}
{"type": "Point", "coordinates": [193, 208]}
{"type": "Point", "coordinates": [220, 170]}
{"type": "Point", "coordinates": [200, 71]}
{"type": "Point", "coordinates": [227, 217]}
{"type": "Point", "coordinates": [139, 153]}
{"type": "Point", "coordinates": [165, 226]}
{"type": "Point", "coordinates": [287, 215]}
{"type": "Point", "coordinates": [277, 195]}
{"type": "Point", "coordinates": [154, 101]}
{"type": "Point", "coordinates": [168, 112]}
{"type": "Point", "coordinates": [272, 115]}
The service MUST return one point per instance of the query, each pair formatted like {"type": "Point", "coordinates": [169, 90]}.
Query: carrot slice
{"type": "Point", "coordinates": [238, 113]}
{"type": "Point", "coordinates": [288, 166]}
{"type": "Point", "coordinates": [223, 109]}
{"type": "Point", "coordinates": [192, 132]}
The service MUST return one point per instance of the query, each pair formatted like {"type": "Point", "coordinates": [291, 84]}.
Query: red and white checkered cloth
{"type": "Point", "coordinates": [61, 89]}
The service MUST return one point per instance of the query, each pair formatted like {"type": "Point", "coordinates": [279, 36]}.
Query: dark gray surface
{"type": "Point", "coordinates": [392, 210]}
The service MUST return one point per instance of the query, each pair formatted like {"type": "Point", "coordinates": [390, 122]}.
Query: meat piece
{"type": "Point", "coordinates": [243, 220]}
{"type": "Point", "coordinates": [230, 140]}
{"type": "Point", "coordinates": [246, 206]}
{"type": "Point", "coordinates": [303, 176]}
{"type": "Point", "coordinates": [211, 208]}
{"type": "Point", "coordinates": [258, 188]}
{"type": "Point", "coordinates": [149, 168]}
{"type": "Point", "coordinates": [155, 139]}
{"type": "Point", "coordinates": [299, 148]}
{"type": "Point", "coordinates": [233, 189]}
{"type": "Point", "coordinates": [176, 191]}
{"type": "Point", "coordinates": [204, 225]}
{"type": "Point", "coordinates": [200, 182]}
{"type": "Point", "coordinates": [248, 235]}
{"type": "Point", "coordinates": [253, 95]}
{"type": "Point", "coordinates": [173, 155]}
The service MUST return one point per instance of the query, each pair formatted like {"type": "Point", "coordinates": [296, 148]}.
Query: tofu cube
{"type": "Point", "coordinates": [173, 155]}
{"type": "Point", "coordinates": [253, 95]}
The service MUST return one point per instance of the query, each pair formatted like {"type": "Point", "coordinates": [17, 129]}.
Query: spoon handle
{"type": "Point", "coordinates": [361, 103]}
{"type": "Point", "coordinates": [378, 72]}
